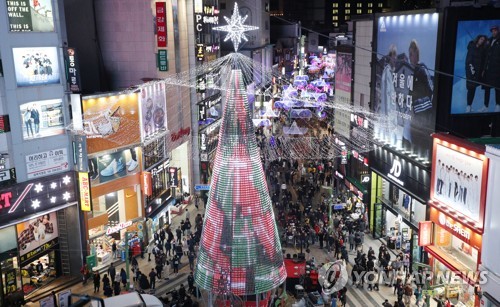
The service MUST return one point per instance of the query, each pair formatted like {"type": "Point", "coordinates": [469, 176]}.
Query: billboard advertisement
{"type": "Point", "coordinates": [36, 232]}
{"type": "Point", "coordinates": [457, 181]}
{"type": "Point", "coordinates": [343, 78]}
{"type": "Point", "coordinates": [45, 163]}
{"type": "Point", "coordinates": [476, 68]}
{"type": "Point", "coordinates": [42, 118]}
{"type": "Point", "coordinates": [404, 81]}
{"type": "Point", "coordinates": [111, 121]}
{"type": "Point", "coordinates": [36, 66]}
{"type": "Point", "coordinates": [153, 109]}
{"type": "Point", "coordinates": [30, 15]}
{"type": "Point", "coordinates": [112, 166]}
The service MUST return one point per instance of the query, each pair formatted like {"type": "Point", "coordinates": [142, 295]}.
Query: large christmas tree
{"type": "Point", "coordinates": [240, 251]}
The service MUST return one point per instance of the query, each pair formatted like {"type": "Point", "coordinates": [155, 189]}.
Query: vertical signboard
{"type": "Point", "coordinates": [162, 60]}
{"type": "Point", "coordinates": [84, 185]}
{"type": "Point", "coordinates": [161, 24]}
{"type": "Point", "coordinates": [404, 81]}
{"type": "Point", "coordinates": [425, 233]}
{"type": "Point", "coordinates": [343, 75]}
{"type": "Point", "coordinates": [146, 183]}
{"type": "Point", "coordinates": [80, 153]}
{"type": "Point", "coordinates": [72, 70]}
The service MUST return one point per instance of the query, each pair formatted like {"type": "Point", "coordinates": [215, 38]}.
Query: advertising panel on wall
{"type": "Point", "coordinates": [404, 81]}
{"type": "Point", "coordinates": [458, 179]}
{"type": "Point", "coordinates": [343, 75]}
{"type": "Point", "coordinates": [31, 197]}
{"type": "Point", "coordinates": [42, 118]}
{"type": "Point", "coordinates": [209, 110]}
{"type": "Point", "coordinates": [36, 66]}
{"type": "Point", "coordinates": [153, 109]}
{"type": "Point", "coordinates": [32, 15]}
{"type": "Point", "coordinates": [476, 65]}
{"type": "Point", "coordinates": [36, 232]}
{"type": "Point", "coordinates": [46, 163]}
{"type": "Point", "coordinates": [111, 121]}
{"type": "Point", "coordinates": [113, 165]}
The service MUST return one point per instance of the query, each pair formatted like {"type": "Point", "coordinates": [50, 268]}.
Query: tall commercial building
{"type": "Point", "coordinates": [39, 213]}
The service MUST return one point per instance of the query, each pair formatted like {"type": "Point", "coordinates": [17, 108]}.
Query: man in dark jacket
{"type": "Point", "coordinates": [492, 69]}
{"type": "Point", "coordinates": [474, 66]}
{"type": "Point", "coordinates": [152, 278]}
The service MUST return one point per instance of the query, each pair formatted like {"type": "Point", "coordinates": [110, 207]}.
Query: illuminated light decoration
{"type": "Point", "coordinates": [235, 28]}
{"type": "Point", "coordinates": [66, 179]}
{"type": "Point", "coordinates": [35, 204]}
{"type": "Point", "coordinates": [21, 197]}
{"type": "Point", "coordinates": [240, 250]}
{"type": "Point", "coordinates": [38, 188]}
{"type": "Point", "coordinates": [53, 185]}
{"type": "Point", "coordinates": [66, 196]}
{"type": "Point", "coordinates": [53, 199]}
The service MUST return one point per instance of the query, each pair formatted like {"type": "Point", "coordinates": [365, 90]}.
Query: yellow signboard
{"type": "Point", "coordinates": [84, 185]}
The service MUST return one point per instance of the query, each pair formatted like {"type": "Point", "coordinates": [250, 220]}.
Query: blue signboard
{"type": "Point", "coordinates": [202, 187]}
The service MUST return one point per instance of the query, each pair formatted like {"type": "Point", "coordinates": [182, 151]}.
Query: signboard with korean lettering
{"type": "Point", "coordinates": [46, 163]}
{"type": "Point", "coordinates": [72, 70]}
{"type": "Point", "coordinates": [200, 52]}
{"type": "Point", "coordinates": [84, 186]}
{"type": "Point", "coordinates": [161, 24]}
{"type": "Point", "coordinates": [162, 60]}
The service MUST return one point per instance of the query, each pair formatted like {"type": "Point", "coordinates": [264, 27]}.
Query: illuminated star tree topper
{"type": "Point", "coordinates": [236, 28]}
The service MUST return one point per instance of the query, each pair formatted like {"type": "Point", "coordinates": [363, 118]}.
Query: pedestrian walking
{"type": "Point", "coordinates": [97, 281]}
{"type": "Point", "coordinates": [152, 278]}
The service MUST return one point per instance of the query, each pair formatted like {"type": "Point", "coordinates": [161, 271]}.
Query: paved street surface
{"type": "Point", "coordinates": [355, 296]}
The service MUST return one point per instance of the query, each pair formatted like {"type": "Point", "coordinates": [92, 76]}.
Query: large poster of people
{"type": "Point", "coordinates": [111, 121]}
{"type": "Point", "coordinates": [36, 66]}
{"type": "Point", "coordinates": [36, 232]}
{"type": "Point", "coordinates": [457, 181]}
{"type": "Point", "coordinates": [404, 85]}
{"type": "Point", "coordinates": [153, 109]}
{"type": "Point", "coordinates": [476, 81]}
{"type": "Point", "coordinates": [30, 15]}
{"type": "Point", "coordinates": [42, 118]}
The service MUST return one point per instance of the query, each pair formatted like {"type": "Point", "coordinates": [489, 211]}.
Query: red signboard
{"type": "Point", "coordinates": [4, 123]}
{"type": "Point", "coordinates": [425, 233]}
{"type": "Point", "coordinates": [456, 228]}
{"type": "Point", "coordinates": [161, 24]}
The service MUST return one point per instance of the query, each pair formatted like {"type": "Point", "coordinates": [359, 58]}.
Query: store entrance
{"type": "Point", "coordinates": [39, 272]}
{"type": "Point", "coordinates": [379, 217]}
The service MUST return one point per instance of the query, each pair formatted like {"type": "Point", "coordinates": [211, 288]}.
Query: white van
{"type": "Point", "coordinates": [133, 299]}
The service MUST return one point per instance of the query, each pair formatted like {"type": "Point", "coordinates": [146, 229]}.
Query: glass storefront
{"type": "Point", "coordinates": [39, 272]}
{"type": "Point", "coordinates": [457, 290]}
{"type": "Point", "coordinates": [112, 215]}
{"type": "Point", "coordinates": [11, 277]}
{"type": "Point", "coordinates": [463, 253]}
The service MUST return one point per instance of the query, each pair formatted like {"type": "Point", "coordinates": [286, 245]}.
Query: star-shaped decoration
{"type": "Point", "coordinates": [53, 185]}
{"type": "Point", "coordinates": [66, 179]}
{"type": "Point", "coordinates": [38, 187]}
{"type": "Point", "coordinates": [53, 199]}
{"type": "Point", "coordinates": [35, 204]}
{"type": "Point", "coordinates": [66, 196]}
{"type": "Point", "coordinates": [235, 28]}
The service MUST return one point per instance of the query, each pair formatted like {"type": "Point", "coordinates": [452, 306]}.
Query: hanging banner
{"type": "Point", "coordinates": [146, 184]}
{"type": "Point", "coordinates": [80, 153]}
{"type": "Point", "coordinates": [161, 24]}
{"type": "Point", "coordinates": [173, 177]}
{"type": "Point", "coordinates": [425, 233]}
{"type": "Point", "coordinates": [72, 70]}
{"type": "Point", "coordinates": [84, 185]}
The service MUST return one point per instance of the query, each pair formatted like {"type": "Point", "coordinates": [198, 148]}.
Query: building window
{"type": "Point", "coordinates": [335, 18]}
{"type": "Point", "coordinates": [359, 4]}
{"type": "Point", "coordinates": [380, 5]}
{"type": "Point", "coordinates": [348, 12]}
{"type": "Point", "coordinates": [335, 5]}
{"type": "Point", "coordinates": [335, 24]}
{"type": "Point", "coordinates": [335, 12]}
{"type": "Point", "coordinates": [370, 4]}
{"type": "Point", "coordinates": [358, 11]}
{"type": "Point", "coordinates": [347, 17]}
{"type": "Point", "coordinates": [370, 11]}
{"type": "Point", "coordinates": [347, 5]}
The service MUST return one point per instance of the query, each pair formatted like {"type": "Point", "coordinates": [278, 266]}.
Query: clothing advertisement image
{"type": "Point", "coordinates": [36, 66]}
{"type": "Point", "coordinates": [476, 82]}
{"type": "Point", "coordinates": [42, 118]}
{"type": "Point", "coordinates": [404, 91]}
{"type": "Point", "coordinates": [458, 180]}
{"type": "Point", "coordinates": [36, 232]}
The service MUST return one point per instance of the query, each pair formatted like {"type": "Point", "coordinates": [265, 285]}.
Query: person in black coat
{"type": "Point", "coordinates": [116, 288]}
{"type": "Point", "coordinates": [474, 66]}
{"type": "Point", "coordinates": [492, 68]}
